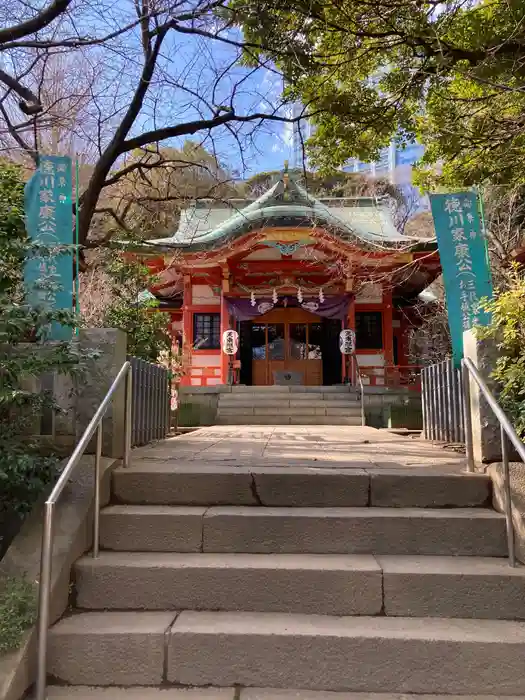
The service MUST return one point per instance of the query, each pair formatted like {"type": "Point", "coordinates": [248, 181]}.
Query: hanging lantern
{"type": "Point", "coordinates": [274, 296]}
{"type": "Point", "coordinates": [321, 296]}
{"type": "Point", "coordinates": [252, 298]}
{"type": "Point", "coordinates": [299, 295]}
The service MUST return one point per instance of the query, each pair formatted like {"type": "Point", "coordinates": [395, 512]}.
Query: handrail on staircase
{"type": "Point", "coordinates": [507, 433]}
{"type": "Point", "coordinates": [125, 374]}
{"type": "Point", "coordinates": [361, 387]}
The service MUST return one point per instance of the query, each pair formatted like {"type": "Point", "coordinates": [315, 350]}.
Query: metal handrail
{"type": "Point", "coordinates": [361, 387]}
{"type": "Point", "coordinates": [95, 424]}
{"type": "Point", "coordinates": [507, 432]}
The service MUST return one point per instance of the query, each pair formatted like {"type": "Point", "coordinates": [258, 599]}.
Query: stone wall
{"type": "Point", "coordinates": [485, 426]}
{"type": "Point", "coordinates": [384, 407]}
{"type": "Point", "coordinates": [198, 405]}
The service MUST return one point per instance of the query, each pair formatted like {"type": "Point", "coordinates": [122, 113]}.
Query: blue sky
{"type": "Point", "coordinates": [204, 66]}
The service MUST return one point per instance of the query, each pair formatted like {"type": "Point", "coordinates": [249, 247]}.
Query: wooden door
{"type": "Point", "coordinates": [287, 340]}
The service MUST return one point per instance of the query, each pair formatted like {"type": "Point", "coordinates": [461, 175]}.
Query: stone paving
{"type": "Point", "coordinates": [343, 447]}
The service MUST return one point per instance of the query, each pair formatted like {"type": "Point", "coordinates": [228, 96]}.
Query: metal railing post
{"type": "Point", "coordinates": [423, 404]}
{"type": "Point", "coordinates": [359, 380]}
{"type": "Point", "coordinates": [508, 502]}
{"type": "Point", "coordinates": [127, 418]}
{"type": "Point", "coordinates": [46, 557]}
{"type": "Point", "coordinates": [44, 592]}
{"type": "Point", "coordinates": [96, 506]}
{"type": "Point", "coordinates": [455, 397]}
{"type": "Point", "coordinates": [448, 400]}
{"type": "Point", "coordinates": [469, 444]}
{"type": "Point", "coordinates": [433, 402]}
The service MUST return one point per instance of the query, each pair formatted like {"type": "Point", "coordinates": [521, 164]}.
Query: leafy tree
{"type": "Point", "coordinates": [448, 73]}
{"type": "Point", "coordinates": [115, 295]}
{"type": "Point", "coordinates": [147, 201]}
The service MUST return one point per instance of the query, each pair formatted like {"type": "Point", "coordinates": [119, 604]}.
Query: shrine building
{"type": "Point", "coordinates": [288, 272]}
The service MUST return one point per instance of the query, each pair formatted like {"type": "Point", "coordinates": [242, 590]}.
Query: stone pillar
{"type": "Point", "coordinates": [485, 426]}
{"type": "Point", "coordinates": [111, 344]}
{"type": "Point", "coordinates": [65, 395]}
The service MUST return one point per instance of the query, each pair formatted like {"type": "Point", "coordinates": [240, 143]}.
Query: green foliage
{"type": "Point", "coordinates": [508, 330]}
{"type": "Point", "coordinates": [24, 355]}
{"type": "Point", "coordinates": [445, 73]}
{"type": "Point", "coordinates": [133, 309]}
{"type": "Point", "coordinates": [12, 230]}
{"type": "Point", "coordinates": [18, 612]}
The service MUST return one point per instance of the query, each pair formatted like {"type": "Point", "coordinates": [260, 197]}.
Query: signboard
{"type": "Point", "coordinates": [347, 341]}
{"type": "Point", "coordinates": [230, 342]}
{"type": "Point", "coordinates": [49, 221]}
{"type": "Point", "coordinates": [464, 260]}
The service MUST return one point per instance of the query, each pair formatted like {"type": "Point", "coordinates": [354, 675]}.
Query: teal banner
{"type": "Point", "coordinates": [464, 261]}
{"type": "Point", "coordinates": [49, 222]}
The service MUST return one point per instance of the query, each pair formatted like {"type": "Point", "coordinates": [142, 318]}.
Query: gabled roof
{"type": "Point", "coordinates": [366, 221]}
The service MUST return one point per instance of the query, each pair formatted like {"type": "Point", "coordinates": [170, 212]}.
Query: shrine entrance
{"type": "Point", "coordinates": [287, 348]}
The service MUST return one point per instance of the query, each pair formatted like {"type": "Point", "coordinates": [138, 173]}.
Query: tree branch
{"type": "Point", "coordinates": [39, 21]}
{"type": "Point", "coordinates": [189, 128]}
{"type": "Point", "coordinates": [32, 103]}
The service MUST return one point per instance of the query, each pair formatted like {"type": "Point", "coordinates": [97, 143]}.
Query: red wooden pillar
{"type": "Point", "coordinates": [187, 331]}
{"type": "Point", "coordinates": [225, 325]}
{"type": "Point", "coordinates": [388, 335]}
{"type": "Point", "coordinates": [349, 323]}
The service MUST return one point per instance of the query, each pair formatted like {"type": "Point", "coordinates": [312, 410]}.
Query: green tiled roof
{"type": "Point", "coordinates": [366, 221]}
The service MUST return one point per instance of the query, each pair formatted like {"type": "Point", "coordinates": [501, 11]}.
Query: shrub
{"type": "Point", "coordinates": [25, 354]}
{"type": "Point", "coordinates": [115, 295]}
{"type": "Point", "coordinates": [508, 330]}
{"type": "Point", "coordinates": [18, 612]}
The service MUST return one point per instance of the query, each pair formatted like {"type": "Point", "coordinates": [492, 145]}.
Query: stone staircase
{"type": "Point", "coordinates": [289, 405]}
{"type": "Point", "coordinates": [329, 579]}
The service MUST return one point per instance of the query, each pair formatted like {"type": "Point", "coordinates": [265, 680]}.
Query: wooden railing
{"type": "Point", "coordinates": [393, 376]}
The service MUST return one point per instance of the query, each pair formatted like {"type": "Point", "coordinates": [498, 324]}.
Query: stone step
{"type": "Point", "coordinates": [290, 411]}
{"type": "Point", "coordinates": [295, 400]}
{"type": "Point", "coordinates": [278, 389]}
{"type": "Point", "coordinates": [305, 583]}
{"type": "Point", "coordinates": [463, 587]}
{"type": "Point", "coordinates": [462, 531]}
{"type": "Point", "coordinates": [147, 693]}
{"type": "Point", "coordinates": [166, 693]}
{"type": "Point", "coordinates": [406, 586]}
{"type": "Point", "coordinates": [165, 483]}
{"type": "Point", "coordinates": [378, 654]}
{"type": "Point", "coordinates": [314, 652]}
{"type": "Point", "coordinates": [109, 648]}
{"type": "Point", "coordinates": [243, 419]}
{"type": "Point", "coordinates": [175, 483]}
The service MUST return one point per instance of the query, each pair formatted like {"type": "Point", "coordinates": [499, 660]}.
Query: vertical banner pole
{"type": "Point", "coordinates": [77, 256]}
{"type": "Point", "coordinates": [481, 207]}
